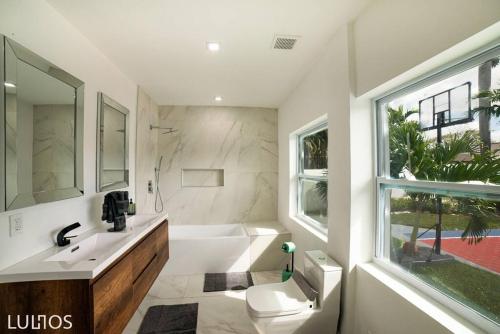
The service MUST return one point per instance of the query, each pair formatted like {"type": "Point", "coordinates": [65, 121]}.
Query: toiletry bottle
{"type": "Point", "coordinates": [131, 208]}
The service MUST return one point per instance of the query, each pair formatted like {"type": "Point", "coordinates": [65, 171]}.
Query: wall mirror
{"type": "Point", "coordinates": [112, 144]}
{"type": "Point", "coordinates": [41, 122]}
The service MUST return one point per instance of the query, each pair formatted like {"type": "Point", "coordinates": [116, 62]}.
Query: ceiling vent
{"type": "Point", "coordinates": [284, 42]}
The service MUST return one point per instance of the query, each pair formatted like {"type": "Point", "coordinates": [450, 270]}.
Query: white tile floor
{"type": "Point", "coordinates": [218, 312]}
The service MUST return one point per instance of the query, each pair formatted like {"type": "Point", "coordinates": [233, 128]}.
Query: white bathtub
{"type": "Point", "coordinates": [198, 249]}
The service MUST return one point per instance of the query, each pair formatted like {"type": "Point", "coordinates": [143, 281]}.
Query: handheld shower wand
{"type": "Point", "coordinates": [158, 199]}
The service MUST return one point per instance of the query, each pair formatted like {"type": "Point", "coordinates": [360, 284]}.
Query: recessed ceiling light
{"type": "Point", "coordinates": [213, 46]}
{"type": "Point", "coordinates": [9, 84]}
{"type": "Point", "coordinates": [218, 98]}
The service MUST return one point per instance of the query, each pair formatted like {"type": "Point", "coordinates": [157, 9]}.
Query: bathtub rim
{"type": "Point", "coordinates": [244, 232]}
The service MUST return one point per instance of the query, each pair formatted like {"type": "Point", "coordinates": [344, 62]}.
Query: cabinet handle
{"type": "Point", "coordinates": [146, 267]}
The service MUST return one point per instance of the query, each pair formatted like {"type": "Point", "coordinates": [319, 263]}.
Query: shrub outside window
{"type": "Point", "coordinates": [312, 177]}
{"type": "Point", "coordinates": [438, 186]}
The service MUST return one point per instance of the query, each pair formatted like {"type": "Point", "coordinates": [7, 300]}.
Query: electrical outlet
{"type": "Point", "coordinates": [16, 224]}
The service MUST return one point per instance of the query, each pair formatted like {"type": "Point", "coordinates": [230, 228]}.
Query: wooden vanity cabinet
{"type": "Point", "coordinates": [104, 304]}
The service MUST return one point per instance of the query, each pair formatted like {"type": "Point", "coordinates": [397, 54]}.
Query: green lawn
{"type": "Point", "coordinates": [427, 220]}
{"type": "Point", "coordinates": [474, 287]}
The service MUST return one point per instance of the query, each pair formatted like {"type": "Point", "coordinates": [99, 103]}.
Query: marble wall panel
{"type": "Point", "coordinates": [146, 155]}
{"type": "Point", "coordinates": [242, 141]}
{"type": "Point", "coordinates": [53, 147]}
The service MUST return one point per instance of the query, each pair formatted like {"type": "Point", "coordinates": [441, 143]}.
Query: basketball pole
{"type": "Point", "coordinates": [439, 200]}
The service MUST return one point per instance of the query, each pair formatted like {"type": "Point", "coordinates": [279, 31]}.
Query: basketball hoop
{"type": "Point", "coordinates": [447, 108]}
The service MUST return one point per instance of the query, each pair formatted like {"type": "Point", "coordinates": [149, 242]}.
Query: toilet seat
{"type": "Point", "coordinates": [277, 299]}
{"type": "Point", "coordinates": [299, 305]}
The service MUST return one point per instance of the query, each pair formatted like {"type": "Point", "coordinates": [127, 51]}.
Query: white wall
{"type": "Point", "coordinates": [37, 26]}
{"type": "Point", "coordinates": [393, 36]}
{"type": "Point", "coordinates": [324, 91]}
{"type": "Point", "coordinates": [311, 100]}
{"type": "Point", "coordinates": [379, 315]}
{"type": "Point", "coordinates": [375, 53]}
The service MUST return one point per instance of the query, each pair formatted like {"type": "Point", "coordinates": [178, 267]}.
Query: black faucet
{"type": "Point", "coordinates": [61, 239]}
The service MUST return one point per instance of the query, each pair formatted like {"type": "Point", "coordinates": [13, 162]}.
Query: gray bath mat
{"type": "Point", "coordinates": [227, 281]}
{"type": "Point", "coordinates": [170, 319]}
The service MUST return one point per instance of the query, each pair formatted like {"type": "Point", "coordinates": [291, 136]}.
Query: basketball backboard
{"type": "Point", "coordinates": [449, 107]}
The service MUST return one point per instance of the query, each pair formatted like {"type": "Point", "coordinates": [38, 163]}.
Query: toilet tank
{"type": "Point", "coordinates": [325, 275]}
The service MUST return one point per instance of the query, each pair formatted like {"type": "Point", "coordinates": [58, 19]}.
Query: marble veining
{"type": "Point", "coordinates": [146, 151]}
{"type": "Point", "coordinates": [242, 142]}
{"type": "Point", "coordinates": [53, 147]}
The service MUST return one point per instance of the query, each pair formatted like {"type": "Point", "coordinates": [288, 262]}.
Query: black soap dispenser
{"type": "Point", "coordinates": [131, 208]}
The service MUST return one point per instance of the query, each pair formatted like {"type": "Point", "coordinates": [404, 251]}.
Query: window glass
{"type": "Point", "coordinates": [437, 130]}
{"type": "Point", "coordinates": [315, 153]}
{"type": "Point", "coordinates": [454, 249]}
{"type": "Point", "coordinates": [312, 180]}
{"type": "Point", "coordinates": [313, 195]}
{"type": "Point", "coordinates": [438, 194]}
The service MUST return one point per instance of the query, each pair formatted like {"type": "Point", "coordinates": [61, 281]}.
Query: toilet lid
{"type": "Point", "coordinates": [276, 299]}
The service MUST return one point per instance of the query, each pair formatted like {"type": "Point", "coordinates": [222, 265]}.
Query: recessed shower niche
{"type": "Point", "coordinates": [204, 177]}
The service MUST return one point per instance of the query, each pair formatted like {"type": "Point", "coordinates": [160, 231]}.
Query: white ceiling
{"type": "Point", "coordinates": [161, 44]}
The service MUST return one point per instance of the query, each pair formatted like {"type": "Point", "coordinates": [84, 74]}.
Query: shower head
{"type": "Point", "coordinates": [168, 130]}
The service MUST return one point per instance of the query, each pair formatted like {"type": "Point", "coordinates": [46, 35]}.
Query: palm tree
{"type": "Point", "coordinates": [484, 85]}
{"type": "Point", "coordinates": [316, 157]}
{"type": "Point", "coordinates": [492, 96]}
{"type": "Point", "coordinates": [412, 154]}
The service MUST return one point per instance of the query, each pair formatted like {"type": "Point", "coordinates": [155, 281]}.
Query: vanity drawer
{"type": "Point", "coordinates": [145, 280]}
{"type": "Point", "coordinates": [112, 297]}
{"type": "Point", "coordinates": [162, 244]}
{"type": "Point", "coordinates": [143, 254]}
{"type": "Point", "coordinates": [148, 264]}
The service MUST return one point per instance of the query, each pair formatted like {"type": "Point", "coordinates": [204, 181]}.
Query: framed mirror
{"type": "Point", "coordinates": [41, 122]}
{"type": "Point", "coordinates": [112, 144]}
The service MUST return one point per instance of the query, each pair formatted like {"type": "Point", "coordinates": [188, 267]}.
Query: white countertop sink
{"type": "Point", "coordinates": [88, 249]}
{"type": "Point", "coordinates": [86, 256]}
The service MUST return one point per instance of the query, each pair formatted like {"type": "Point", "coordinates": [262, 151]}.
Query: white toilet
{"type": "Point", "coordinates": [303, 304]}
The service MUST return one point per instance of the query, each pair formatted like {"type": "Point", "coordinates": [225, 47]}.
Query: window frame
{"type": "Point", "coordinates": [300, 175]}
{"type": "Point", "coordinates": [382, 167]}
